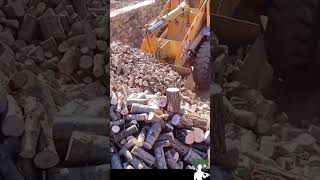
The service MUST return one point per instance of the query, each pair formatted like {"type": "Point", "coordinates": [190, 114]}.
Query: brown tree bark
{"type": "Point", "coordinates": [173, 100]}
{"type": "Point", "coordinates": [152, 135]}
{"type": "Point", "coordinates": [160, 158]}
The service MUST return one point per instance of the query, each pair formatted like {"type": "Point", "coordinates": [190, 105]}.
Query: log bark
{"type": "Point", "coordinates": [191, 156]}
{"type": "Point", "coordinates": [130, 101]}
{"type": "Point", "coordinates": [33, 113]}
{"type": "Point", "coordinates": [87, 149]}
{"type": "Point", "coordinates": [130, 143]}
{"type": "Point", "coordinates": [117, 122]}
{"type": "Point", "coordinates": [198, 121]}
{"type": "Point", "coordinates": [140, 108]}
{"type": "Point", "coordinates": [152, 135]}
{"type": "Point", "coordinates": [88, 172]}
{"type": "Point", "coordinates": [135, 162]}
{"type": "Point", "coordinates": [163, 143]}
{"type": "Point", "coordinates": [160, 158]}
{"type": "Point", "coordinates": [116, 161]}
{"type": "Point", "coordinates": [165, 136]}
{"type": "Point", "coordinates": [144, 155]}
{"type": "Point", "coordinates": [47, 156]}
{"type": "Point", "coordinates": [13, 123]}
{"type": "Point", "coordinates": [171, 162]}
{"type": "Point", "coordinates": [181, 122]}
{"type": "Point", "coordinates": [153, 118]}
{"type": "Point", "coordinates": [168, 128]}
{"type": "Point", "coordinates": [8, 170]}
{"type": "Point", "coordinates": [185, 136]}
{"type": "Point", "coordinates": [173, 100]}
{"type": "Point", "coordinates": [125, 133]}
{"type": "Point", "coordinates": [142, 135]}
{"type": "Point", "coordinates": [181, 148]}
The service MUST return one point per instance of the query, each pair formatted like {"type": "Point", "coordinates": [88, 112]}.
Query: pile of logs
{"type": "Point", "coordinates": [154, 131]}
{"type": "Point", "coordinates": [139, 70]}
{"type": "Point", "coordinates": [53, 67]}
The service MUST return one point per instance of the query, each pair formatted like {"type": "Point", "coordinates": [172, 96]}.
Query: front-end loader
{"type": "Point", "coordinates": [180, 36]}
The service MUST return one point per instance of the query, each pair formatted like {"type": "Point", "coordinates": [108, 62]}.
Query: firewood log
{"type": "Point", "coordinates": [125, 133]}
{"type": "Point", "coordinates": [181, 122]}
{"type": "Point", "coordinates": [144, 155]}
{"type": "Point", "coordinates": [116, 161]}
{"type": "Point", "coordinates": [13, 123]}
{"type": "Point", "coordinates": [160, 158]}
{"type": "Point", "coordinates": [140, 108]}
{"type": "Point", "coordinates": [185, 136]}
{"type": "Point", "coordinates": [87, 149]}
{"type": "Point", "coordinates": [152, 135]}
{"type": "Point", "coordinates": [173, 99]}
{"type": "Point", "coordinates": [142, 135]}
{"type": "Point", "coordinates": [171, 162]}
{"type": "Point", "coordinates": [191, 156]}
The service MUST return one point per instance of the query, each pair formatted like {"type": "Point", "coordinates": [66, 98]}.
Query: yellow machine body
{"type": "Point", "coordinates": [171, 35]}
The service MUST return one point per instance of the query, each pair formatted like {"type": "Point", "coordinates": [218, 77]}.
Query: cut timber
{"type": "Point", "coordinates": [13, 123]}
{"type": "Point", "coordinates": [165, 136]}
{"type": "Point", "coordinates": [153, 118]}
{"type": "Point", "coordinates": [181, 148]}
{"type": "Point", "coordinates": [125, 133]}
{"type": "Point", "coordinates": [162, 143]}
{"type": "Point", "coordinates": [47, 156]}
{"type": "Point", "coordinates": [130, 101]}
{"type": "Point", "coordinates": [181, 122]}
{"type": "Point", "coordinates": [87, 149]}
{"type": "Point", "coordinates": [116, 161]}
{"type": "Point", "coordinates": [186, 136]}
{"type": "Point", "coordinates": [130, 143]}
{"type": "Point", "coordinates": [142, 136]}
{"type": "Point", "coordinates": [8, 170]}
{"type": "Point", "coordinates": [173, 100]}
{"type": "Point", "coordinates": [135, 162]}
{"type": "Point", "coordinates": [88, 172]}
{"type": "Point", "coordinates": [115, 129]}
{"type": "Point", "coordinates": [198, 121]}
{"type": "Point", "coordinates": [140, 108]}
{"type": "Point", "coordinates": [152, 135]}
{"type": "Point", "coordinates": [191, 156]}
{"type": "Point", "coordinates": [198, 135]}
{"type": "Point", "coordinates": [33, 111]}
{"type": "Point", "coordinates": [160, 158]}
{"type": "Point", "coordinates": [63, 126]}
{"type": "Point", "coordinates": [171, 162]}
{"type": "Point", "coordinates": [144, 155]}
{"type": "Point", "coordinates": [137, 117]}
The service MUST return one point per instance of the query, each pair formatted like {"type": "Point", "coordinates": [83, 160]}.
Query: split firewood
{"type": "Point", "coordinates": [171, 162]}
{"type": "Point", "coordinates": [152, 135]}
{"type": "Point", "coordinates": [13, 123]}
{"type": "Point", "coordinates": [144, 155]}
{"type": "Point", "coordinates": [186, 136]}
{"type": "Point", "coordinates": [88, 172]}
{"type": "Point", "coordinates": [125, 133]}
{"type": "Point", "coordinates": [160, 158]}
{"type": "Point", "coordinates": [86, 148]}
{"type": "Point", "coordinates": [47, 156]}
{"type": "Point", "coordinates": [142, 135]}
{"type": "Point", "coordinates": [173, 99]}
{"type": "Point", "coordinates": [33, 111]}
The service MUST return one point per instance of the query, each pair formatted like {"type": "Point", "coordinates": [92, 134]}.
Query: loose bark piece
{"type": "Point", "coordinates": [142, 135]}
{"type": "Point", "coordinates": [152, 135]}
{"type": "Point", "coordinates": [186, 136]}
{"type": "Point", "coordinates": [88, 172]}
{"type": "Point", "coordinates": [173, 100]}
{"type": "Point", "coordinates": [13, 123]}
{"type": "Point", "coordinates": [181, 122]}
{"type": "Point", "coordinates": [140, 108]}
{"type": "Point", "coordinates": [160, 158]}
{"type": "Point", "coordinates": [47, 156]}
{"type": "Point", "coordinates": [86, 148]}
{"type": "Point", "coordinates": [144, 155]}
{"type": "Point", "coordinates": [33, 111]}
{"type": "Point", "coordinates": [125, 133]}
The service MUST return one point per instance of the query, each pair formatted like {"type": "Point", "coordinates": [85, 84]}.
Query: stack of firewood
{"type": "Point", "coordinates": [139, 70]}
{"type": "Point", "coordinates": [154, 131]}
{"type": "Point", "coordinates": [53, 68]}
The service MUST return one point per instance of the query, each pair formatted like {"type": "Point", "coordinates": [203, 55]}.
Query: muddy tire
{"type": "Point", "coordinates": [201, 72]}
{"type": "Point", "coordinates": [291, 39]}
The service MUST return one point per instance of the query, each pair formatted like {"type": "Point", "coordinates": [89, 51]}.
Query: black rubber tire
{"type": "Point", "coordinates": [201, 71]}
{"type": "Point", "coordinates": [291, 39]}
